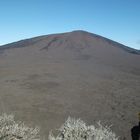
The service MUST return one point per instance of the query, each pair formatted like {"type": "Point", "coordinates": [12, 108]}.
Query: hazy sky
{"type": "Point", "coordinates": [115, 19]}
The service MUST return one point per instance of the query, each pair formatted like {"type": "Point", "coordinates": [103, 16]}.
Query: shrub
{"type": "Point", "coordinates": [74, 129]}
{"type": "Point", "coordinates": [12, 130]}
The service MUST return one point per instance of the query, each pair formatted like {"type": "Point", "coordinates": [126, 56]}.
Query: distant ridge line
{"type": "Point", "coordinates": [34, 40]}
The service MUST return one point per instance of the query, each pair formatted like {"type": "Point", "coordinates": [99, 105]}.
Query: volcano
{"type": "Point", "coordinates": [45, 79]}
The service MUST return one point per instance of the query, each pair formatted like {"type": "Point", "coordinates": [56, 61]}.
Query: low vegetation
{"type": "Point", "coordinates": [14, 130]}
{"type": "Point", "coordinates": [72, 129]}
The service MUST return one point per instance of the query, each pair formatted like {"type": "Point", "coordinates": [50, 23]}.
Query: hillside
{"type": "Point", "coordinates": [45, 79]}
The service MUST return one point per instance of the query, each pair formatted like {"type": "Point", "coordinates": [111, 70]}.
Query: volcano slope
{"type": "Point", "coordinates": [44, 80]}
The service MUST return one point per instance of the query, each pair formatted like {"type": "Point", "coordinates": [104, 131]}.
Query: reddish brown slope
{"type": "Point", "coordinates": [43, 80]}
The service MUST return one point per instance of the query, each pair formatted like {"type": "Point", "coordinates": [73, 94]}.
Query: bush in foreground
{"type": "Point", "coordinates": [12, 130]}
{"type": "Point", "coordinates": [72, 129]}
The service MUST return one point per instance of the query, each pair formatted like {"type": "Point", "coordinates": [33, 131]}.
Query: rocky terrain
{"type": "Point", "coordinates": [45, 79]}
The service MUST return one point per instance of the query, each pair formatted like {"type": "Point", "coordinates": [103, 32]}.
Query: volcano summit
{"type": "Point", "coordinates": [45, 79]}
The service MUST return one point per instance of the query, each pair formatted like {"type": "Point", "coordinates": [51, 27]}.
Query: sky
{"type": "Point", "coordinates": [118, 20]}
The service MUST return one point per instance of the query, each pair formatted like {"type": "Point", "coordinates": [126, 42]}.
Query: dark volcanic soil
{"type": "Point", "coordinates": [44, 80]}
